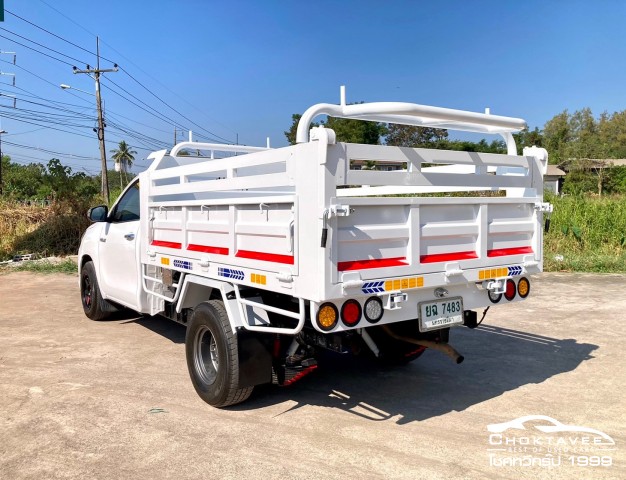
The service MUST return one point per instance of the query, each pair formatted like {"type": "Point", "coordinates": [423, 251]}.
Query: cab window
{"type": "Point", "coordinates": [127, 208]}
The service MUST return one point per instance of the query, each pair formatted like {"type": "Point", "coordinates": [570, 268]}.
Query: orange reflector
{"type": "Point", "coordinates": [327, 316]}
{"type": "Point", "coordinates": [523, 287]}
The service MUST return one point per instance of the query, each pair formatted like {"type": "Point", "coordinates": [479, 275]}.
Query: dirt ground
{"type": "Point", "coordinates": [83, 400]}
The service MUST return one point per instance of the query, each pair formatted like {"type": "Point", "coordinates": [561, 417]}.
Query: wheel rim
{"type": "Point", "coordinates": [87, 291]}
{"type": "Point", "coordinates": [205, 355]}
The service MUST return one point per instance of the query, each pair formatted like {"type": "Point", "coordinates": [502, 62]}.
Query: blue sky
{"type": "Point", "coordinates": [241, 68]}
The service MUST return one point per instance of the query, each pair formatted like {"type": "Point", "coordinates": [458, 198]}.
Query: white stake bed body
{"type": "Point", "coordinates": [311, 237]}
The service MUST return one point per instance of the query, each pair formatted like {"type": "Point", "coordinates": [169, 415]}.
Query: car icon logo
{"type": "Point", "coordinates": [550, 426]}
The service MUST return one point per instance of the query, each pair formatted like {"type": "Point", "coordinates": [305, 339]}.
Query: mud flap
{"type": "Point", "coordinates": [255, 358]}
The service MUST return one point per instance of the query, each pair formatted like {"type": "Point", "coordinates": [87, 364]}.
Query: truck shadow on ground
{"type": "Point", "coordinates": [497, 360]}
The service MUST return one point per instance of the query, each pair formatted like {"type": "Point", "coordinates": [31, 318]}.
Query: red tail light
{"type": "Point", "coordinates": [509, 292]}
{"type": "Point", "coordinates": [351, 313]}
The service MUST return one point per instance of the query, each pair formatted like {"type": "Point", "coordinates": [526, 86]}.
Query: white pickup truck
{"type": "Point", "coordinates": [269, 255]}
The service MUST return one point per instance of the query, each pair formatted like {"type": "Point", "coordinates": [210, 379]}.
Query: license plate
{"type": "Point", "coordinates": [441, 313]}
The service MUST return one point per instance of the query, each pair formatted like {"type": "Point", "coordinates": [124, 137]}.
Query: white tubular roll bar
{"type": "Point", "coordinates": [416, 115]}
{"type": "Point", "coordinates": [215, 147]}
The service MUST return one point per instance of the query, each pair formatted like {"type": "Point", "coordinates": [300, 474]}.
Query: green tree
{"type": "Point", "coordinates": [124, 157]}
{"type": "Point", "coordinates": [21, 182]}
{"type": "Point", "coordinates": [528, 138]}
{"type": "Point", "coordinates": [291, 133]}
{"type": "Point", "coordinates": [415, 137]}
{"type": "Point", "coordinates": [356, 131]}
{"type": "Point", "coordinates": [346, 130]}
{"type": "Point", "coordinates": [557, 136]}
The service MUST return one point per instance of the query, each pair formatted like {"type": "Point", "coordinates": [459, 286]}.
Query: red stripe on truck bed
{"type": "Point", "coordinates": [448, 257]}
{"type": "Point", "coordinates": [266, 257]}
{"type": "Point", "coordinates": [374, 263]}
{"type": "Point", "coordinates": [503, 252]}
{"type": "Point", "coordinates": [207, 249]}
{"type": "Point", "coordinates": [162, 243]}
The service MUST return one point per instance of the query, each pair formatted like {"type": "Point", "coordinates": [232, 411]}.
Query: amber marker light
{"type": "Point", "coordinates": [327, 316]}
{"type": "Point", "coordinates": [523, 287]}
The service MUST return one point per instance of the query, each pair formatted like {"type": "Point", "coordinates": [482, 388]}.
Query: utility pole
{"type": "Point", "coordinates": [104, 190]}
{"type": "Point", "coordinates": [4, 131]}
{"type": "Point", "coordinates": [1, 132]}
{"type": "Point", "coordinates": [175, 139]}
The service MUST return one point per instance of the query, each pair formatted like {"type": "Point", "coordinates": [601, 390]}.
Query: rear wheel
{"type": "Point", "coordinates": [213, 356]}
{"type": "Point", "coordinates": [94, 305]}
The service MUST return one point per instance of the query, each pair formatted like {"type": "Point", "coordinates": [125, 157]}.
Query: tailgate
{"type": "Point", "coordinates": [430, 235]}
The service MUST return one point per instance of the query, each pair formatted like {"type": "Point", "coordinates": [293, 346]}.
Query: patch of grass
{"type": "Point", "coordinates": [44, 230]}
{"type": "Point", "coordinates": [585, 262]}
{"type": "Point", "coordinates": [589, 233]}
{"type": "Point", "coordinates": [66, 266]}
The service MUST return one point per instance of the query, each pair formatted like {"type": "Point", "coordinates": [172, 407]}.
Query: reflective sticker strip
{"type": "Point", "coordinates": [258, 278]}
{"type": "Point", "coordinates": [503, 252]}
{"type": "Point", "coordinates": [165, 261]}
{"type": "Point", "coordinates": [404, 283]}
{"type": "Point", "coordinates": [372, 263]}
{"type": "Point", "coordinates": [230, 273]}
{"type": "Point", "coordinates": [266, 257]}
{"type": "Point", "coordinates": [516, 270]}
{"type": "Point", "coordinates": [208, 249]}
{"type": "Point", "coordinates": [162, 243]}
{"type": "Point", "coordinates": [182, 264]}
{"type": "Point", "coordinates": [448, 257]}
{"type": "Point", "coordinates": [491, 273]}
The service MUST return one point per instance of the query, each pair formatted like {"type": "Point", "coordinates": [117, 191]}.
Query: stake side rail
{"type": "Point", "coordinates": [257, 219]}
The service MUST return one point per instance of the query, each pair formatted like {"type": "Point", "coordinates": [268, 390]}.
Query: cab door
{"type": "Point", "coordinates": [118, 250]}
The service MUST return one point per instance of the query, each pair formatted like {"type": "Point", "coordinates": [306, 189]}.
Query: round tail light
{"type": "Point", "coordinates": [351, 313]}
{"type": "Point", "coordinates": [509, 292]}
{"type": "Point", "coordinates": [327, 317]}
{"type": "Point", "coordinates": [373, 310]}
{"type": "Point", "coordinates": [523, 287]}
{"type": "Point", "coordinates": [493, 296]}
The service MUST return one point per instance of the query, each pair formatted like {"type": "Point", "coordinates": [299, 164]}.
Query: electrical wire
{"type": "Point", "coordinates": [173, 109]}
{"type": "Point", "coordinates": [132, 63]}
{"type": "Point", "coordinates": [35, 50]}
{"type": "Point", "coordinates": [55, 35]}
{"type": "Point", "coordinates": [40, 78]}
{"type": "Point", "coordinates": [40, 45]}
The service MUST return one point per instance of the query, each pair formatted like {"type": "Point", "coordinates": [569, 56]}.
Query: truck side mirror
{"type": "Point", "coordinates": [98, 214]}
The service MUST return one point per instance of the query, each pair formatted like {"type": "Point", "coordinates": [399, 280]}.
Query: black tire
{"type": "Point", "coordinates": [213, 357]}
{"type": "Point", "coordinates": [95, 307]}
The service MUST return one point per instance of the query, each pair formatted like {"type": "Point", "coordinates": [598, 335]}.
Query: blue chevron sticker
{"type": "Point", "coordinates": [516, 270]}
{"type": "Point", "coordinates": [230, 273]}
{"type": "Point", "coordinates": [373, 287]}
{"type": "Point", "coordinates": [182, 264]}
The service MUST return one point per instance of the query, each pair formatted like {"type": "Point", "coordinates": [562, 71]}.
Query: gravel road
{"type": "Point", "coordinates": [85, 400]}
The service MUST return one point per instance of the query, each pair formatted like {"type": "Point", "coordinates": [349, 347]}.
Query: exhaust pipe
{"type": "Point", "coordinates": [442, 347]}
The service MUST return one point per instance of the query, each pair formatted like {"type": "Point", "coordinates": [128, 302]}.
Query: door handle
{"type": "Point", "coordinates": [129, 236]}
{"type": "Point", "coordinates": [103, 239]}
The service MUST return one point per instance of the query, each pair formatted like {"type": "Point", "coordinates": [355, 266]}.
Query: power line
{"type": "Point", "coordinates": [30, 147]}
{"type": "Point", "coordinates": [172, 108]}
{"type": "Point", "coordinates": [42, 79]}
{"type": "Point", "coordinates": [35, 50]}
{"type": "Point", "coordinates": [40, 45]}
{"type": "Point", "coordinates": [157, 115]}
{"type": "Point", "coordinates": [54, 34]}
{"type": "Point", "coordinates": [141, 70]}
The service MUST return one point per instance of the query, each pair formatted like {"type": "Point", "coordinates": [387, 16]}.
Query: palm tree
{"type": "Point", "coordinates": [124, 157]}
